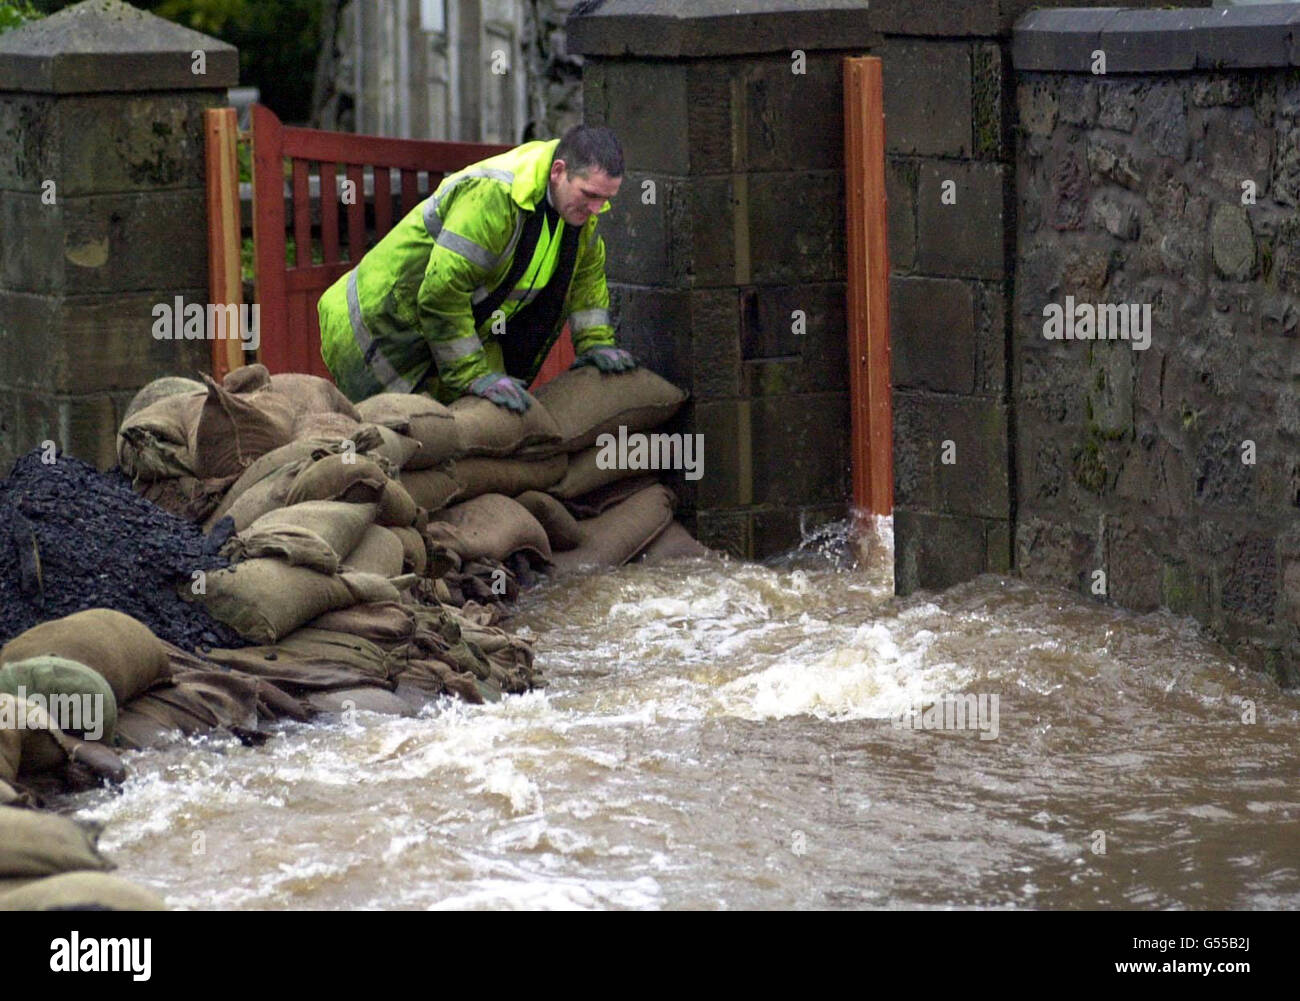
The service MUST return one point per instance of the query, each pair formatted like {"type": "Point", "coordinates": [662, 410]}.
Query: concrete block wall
{"type": "Point", "coordinates": [731, 222]}
{"type": "Point", "coordinates": [1171, 181]}
{"type": "Point", "coordinates": [102, 216]}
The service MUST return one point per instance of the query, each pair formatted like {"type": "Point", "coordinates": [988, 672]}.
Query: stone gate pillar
{"type": "Point", "coordinates": [102, 216]}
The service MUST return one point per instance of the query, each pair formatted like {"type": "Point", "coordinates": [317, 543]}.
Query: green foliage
{"type": "Point", "coordinates": [16, 13]}
{"type": "Point", "coordinates": [278, 41]}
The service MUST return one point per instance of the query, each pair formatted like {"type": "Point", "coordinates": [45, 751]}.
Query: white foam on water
{"type": "Point", "coordinates": [537, 893]}
{"type": "Point", "coordinates": [870, 677]}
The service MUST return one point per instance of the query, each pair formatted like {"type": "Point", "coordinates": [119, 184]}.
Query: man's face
{"type": "Point", "coordinates": [577, 197]}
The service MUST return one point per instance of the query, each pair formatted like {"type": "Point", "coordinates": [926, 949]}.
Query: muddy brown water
{"type": "Point", "coordinates": [718, 734]}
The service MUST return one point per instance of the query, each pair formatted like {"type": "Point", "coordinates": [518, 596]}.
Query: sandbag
{"type": "Point", "coordinates": [268, 494]}
{"type": "Point", "coordinates": [435, 677]}
{"type": "Point", "coordinates": [311, 394]}
{"type": "Point", "coordinates": [185, 496]}
{"type": "Point", "coordinates": [586, 403]}
{"type": "Point", "coordinates": [265, 600]}
{"type": "Point", "coordinates": [11, 742]}
{"type": "Point", "coordinates": [124, 651]}
{"type": "Point", "coordinates": [397, 509]}
{"type": "Point", "coordinates": [296, 453]}
{"type": "Point", "coordinates": [378, 551]}
{"type": "Point", "coordinates": [480, 475]}
{"type": "Point", "coordinates": [160, 389]}
{"type": "Point", "coordinates": [365, 587]}
{"type": "Point", "coordinates": [585, 475]}
{"type": "Point", "coordinates": [43, 747]}
{"type": "Point", "coordinates": [561, 527]}
{"type": "Point", "coordinates": [312, 659]}
{"type": "Point", "coordinates": [233, 429]}
{"type": "Point", "coordinates": [398, 449]}
{"type": "Point", "coordinates": [487, 429]}
{"type": "Point", "coordinates": [415, 554]}
{"type": "Point", "coordinates": [154, 442]}
{"type": "Point", "coordinates": [81, 891]}
{"type": "Point", "coordinates": [600, 500]}
{"type": "Point", "coordinates": [386, 623]}
{"type": "Point", "coordinates": [420, 418]}
{"type": "Point", "coordinates": [76, 696]}
{"type": "Point", "coordinates": [613, 538]}
{"type": "Point", "coordinates": [314, 534]}
{"type": "Point", "coordinates": [370, 700]}
{"type": "Point", "coordinates": [354, 478]}
{"type": "Point", "coordinates": [432, 489]}
{"type": "Point", "coordinates": [673, 543]}
{"type": "Point", "coordinates": [334, 427]}
{"type": "Point", "coordinates": [33, 843]}
{"type": "Point", "coordinates": [199, 702]}
{"type": "Point", "coordinates": [491, 526]}
{"type": "Point", "coordinates": [247, 378]}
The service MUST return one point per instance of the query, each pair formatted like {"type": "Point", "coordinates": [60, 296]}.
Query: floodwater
{"type": "Point", "coordinates": [717, 734]}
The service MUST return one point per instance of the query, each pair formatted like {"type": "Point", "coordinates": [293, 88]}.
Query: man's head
{"type": "Point", "coordinates": [586, 172]}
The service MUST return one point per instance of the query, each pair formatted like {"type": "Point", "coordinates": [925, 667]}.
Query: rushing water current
{"type": "Point", "coordinates": [720, 734]}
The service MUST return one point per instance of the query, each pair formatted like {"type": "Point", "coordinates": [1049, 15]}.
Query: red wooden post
{"type": "Point", "coordinates": [868, 287]}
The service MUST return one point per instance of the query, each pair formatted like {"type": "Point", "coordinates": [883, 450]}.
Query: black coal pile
{"type": "Point", "coordinates": [73, 538]}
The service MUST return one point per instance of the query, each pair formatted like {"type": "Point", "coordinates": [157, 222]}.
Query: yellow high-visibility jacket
{"type": "Point", "coordinates": [413, 315]}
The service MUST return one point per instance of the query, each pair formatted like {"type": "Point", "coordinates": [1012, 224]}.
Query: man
{"type": "Point", "coordinates": [468, 292]}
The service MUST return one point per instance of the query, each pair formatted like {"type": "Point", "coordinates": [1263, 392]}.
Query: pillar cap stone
{"type": "Point", "coordinates": [109, 46]}
{"type": "Point", "coordinates": [671, 29]}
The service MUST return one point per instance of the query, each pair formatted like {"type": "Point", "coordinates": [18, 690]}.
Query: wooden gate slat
{"type": "Point", "coordinates": [383, 203]}
{"type": "Point", "coordinates": [410, 192]}
{"type": "Point", "coordinates": [329, 213]}
{"type": "Point", "coordinates": [301, 214]}
{"type": "Point", "coordinates": [357, 214]}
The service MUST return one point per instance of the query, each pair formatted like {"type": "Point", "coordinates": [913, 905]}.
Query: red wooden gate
{"type": "Point", "coordinates": [287, 291]}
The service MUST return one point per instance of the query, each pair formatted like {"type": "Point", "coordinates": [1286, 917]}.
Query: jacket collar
{"type": "Point", "coordinates": [532, 169]}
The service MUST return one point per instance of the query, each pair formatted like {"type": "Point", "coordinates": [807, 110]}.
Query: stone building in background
{"type": "Point", "coordinates": [458, 70]}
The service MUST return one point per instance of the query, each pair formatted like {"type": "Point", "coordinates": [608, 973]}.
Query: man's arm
{"type": "Point", "coordinates": [588, 304]}
{"type": "Point", "coordinates": [476, 227]}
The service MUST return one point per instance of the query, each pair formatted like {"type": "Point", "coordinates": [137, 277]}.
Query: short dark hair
{"type": "Point", "coordinates": [587, 146]}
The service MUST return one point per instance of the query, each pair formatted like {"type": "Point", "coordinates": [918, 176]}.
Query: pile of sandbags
{"type": "Point", "coordinates": [74, 688]}
{"type": "Point", "coordinates": [604, 513]}
{"type": "Point", "coordinates": [48, 862]}
{"type": "Point", "coordinates": [323, 507]}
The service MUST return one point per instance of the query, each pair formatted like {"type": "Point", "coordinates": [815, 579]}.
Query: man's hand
{"type": "Point", "coordinates": [503, 390]}
{"type": "Point", "coordinates": [606, 359]}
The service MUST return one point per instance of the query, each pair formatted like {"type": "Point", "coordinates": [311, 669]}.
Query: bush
{"type": "Point", "coordinates": [15, 13]}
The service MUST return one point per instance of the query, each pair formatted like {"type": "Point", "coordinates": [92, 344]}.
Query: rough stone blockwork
{"type": "Point", "coordinates": [727, 254]}
{"type": "Point", "coordinates": [1174, 469]}
{"type": "Point", "coordinates": [102, 215]}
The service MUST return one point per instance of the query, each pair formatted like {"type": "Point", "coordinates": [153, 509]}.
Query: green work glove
{"type": "Point", "coordinates": [606, 359]}
{"type": "Point", "coordinates": [503, 390]}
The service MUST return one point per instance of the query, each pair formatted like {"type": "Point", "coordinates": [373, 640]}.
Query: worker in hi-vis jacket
{"type": "Point", "coordinates": [468, 293]}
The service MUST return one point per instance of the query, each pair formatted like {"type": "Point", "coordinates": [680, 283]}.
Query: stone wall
{"type": "Point", "coordinates": [732, 219]}
{"type": "Point", "coordinates": [1174, 470]}
{"type": "Point", "coordinates": [102, 216]}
